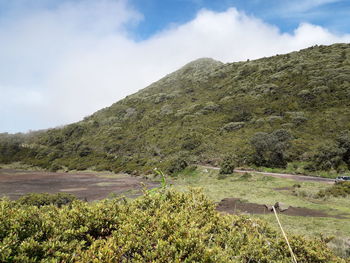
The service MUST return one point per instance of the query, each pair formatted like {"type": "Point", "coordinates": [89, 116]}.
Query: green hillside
{"type": "Point", "coordinates": [291, 108]}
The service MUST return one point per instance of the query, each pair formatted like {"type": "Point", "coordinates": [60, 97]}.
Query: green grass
{"type": "Point", "coordinates": [298, 168]}
{"type": "Point", "coordinates": [261, 189]}
{"type": "Point", "coordinates": [20, 166]}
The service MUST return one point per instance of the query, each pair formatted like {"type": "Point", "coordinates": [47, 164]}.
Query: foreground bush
{"type": "Point", "coordinates": [163, 227]}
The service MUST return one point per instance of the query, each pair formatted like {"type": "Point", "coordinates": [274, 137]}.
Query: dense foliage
{"type": "Point", "coordinates": [335, 155]}
{"type": "Point", "coordinates": [227, 165]}
{"type": "Point", "coordinates": [165, 226]}
{"type": "Point", "coordinates": [207, 110]}
{"type": "Point", "coordinates": [270, 149]}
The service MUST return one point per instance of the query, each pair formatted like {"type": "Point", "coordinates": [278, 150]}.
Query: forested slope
{"type": "Point", "coordinates": [266, 112]}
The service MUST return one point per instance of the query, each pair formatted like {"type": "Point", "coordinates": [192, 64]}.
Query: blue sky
{"type": "Point", "coordinates": [61, 60]}
{"type": "Point", "coordinates": [287, 15]}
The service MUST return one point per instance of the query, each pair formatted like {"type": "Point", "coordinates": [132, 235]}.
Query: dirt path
{"type": "Point", "coordinates": [282, 175]}
{"type": "Point", "coordinates": [15, 183]}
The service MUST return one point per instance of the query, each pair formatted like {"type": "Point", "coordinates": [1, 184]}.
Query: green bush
{"type": "Point", "coordinates": [327, 157]}
{"type": "Point", "coordinates": [54, 167]}
{"type": "Point", "coordinates": [271, 148]}
{"type": "Point", "coordinates": [227, 165]}
{"type": "Point", "coordinates": [343, 141]}
{"type": "Point", "coordinates": [41, 199]}
{"type": "Point", "coordinates": [341, 189]}
{"type": "Point", "coordinates": [176, 164]}
{"type": "Point", "coordinates": [191, 141]}
{"type": "Point", "coordinates": [163, 227]}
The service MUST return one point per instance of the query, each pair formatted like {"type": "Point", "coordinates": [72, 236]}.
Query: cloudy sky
{"type": "Point", "coordinates": [61, 60]}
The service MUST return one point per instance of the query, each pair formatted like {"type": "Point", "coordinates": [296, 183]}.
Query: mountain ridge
{"type": "Point", "coordinates": [207, 110]}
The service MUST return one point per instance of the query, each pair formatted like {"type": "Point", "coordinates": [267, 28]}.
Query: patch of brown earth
{"type": "Point", "coordinates": [15, 183]}
{"type": "Point", "coordinates": [236, 206]}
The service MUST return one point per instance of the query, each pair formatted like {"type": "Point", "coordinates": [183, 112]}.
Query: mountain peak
{"type": "Point", "coordinates": [195, 70]}
{"type": "Point", "coordinates": [201, 65]}
{"type": "Point", "coordinates": [203, 62]}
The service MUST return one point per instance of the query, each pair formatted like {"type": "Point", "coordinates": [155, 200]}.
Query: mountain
{"type": "Point", "coordinates": [266, 112]}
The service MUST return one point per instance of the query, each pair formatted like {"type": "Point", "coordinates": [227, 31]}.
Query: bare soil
{"type": "Point", "coordinates": [236, 206]}
{"type": "Point", "coordinates": [15, 183]}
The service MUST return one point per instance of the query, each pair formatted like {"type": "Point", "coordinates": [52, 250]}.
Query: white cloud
{"type": "Point", "coordinates": [78, 58]}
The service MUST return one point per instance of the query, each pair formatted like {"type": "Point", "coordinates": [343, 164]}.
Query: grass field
{"type": "Point", "coordinates": [267, 190]}
{"type": "Point", "coordinates": [299, 168]}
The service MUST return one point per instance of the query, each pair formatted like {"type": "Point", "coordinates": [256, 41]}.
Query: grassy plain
{"type": "Point", "coordinates": [263, 189]}
{"type": "Point", "coordinates": [298, 168]}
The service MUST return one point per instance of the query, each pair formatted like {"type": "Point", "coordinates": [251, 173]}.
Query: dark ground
{"type": "Point", "coordinates": [15, 183]}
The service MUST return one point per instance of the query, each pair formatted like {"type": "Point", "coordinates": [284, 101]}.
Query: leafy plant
{"type": "Point", "coordinates": [270, 148]}
{"type": "Point", "coordinates": [168, 227]}
{"type": "Point", "coordinates": [227, 165]}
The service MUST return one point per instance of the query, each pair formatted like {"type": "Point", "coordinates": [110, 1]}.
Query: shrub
{"type": "Point", "coordinates": [232, 126]}
{"type": "Point", "coordinates": [341, 189]}
{"type": "Point", "coordinates": [54, 167]}
{"type": "Point", "coordinates": [84, 151]}
{"type": "Point", "coordinates": [227, 165]}
{"type": "Point", "coordinates": [270, 148]}
{"type": "Point", "coordinates": [41, 199]}
{"type": "Point", "coordinates": [166, 226]}
{"type": "Point", "coordinates": [343, 141]}
{"type": "Point", "coordinates": [327, 157]}
{"type": "Point", "coordinates": [176, 165]}
{"type": "Point", "coordinates": [191, 141]}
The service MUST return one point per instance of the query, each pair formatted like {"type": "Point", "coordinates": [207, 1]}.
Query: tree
{"type": "Point", "coordinates": [328, 157]}
{"type": "Point", "coordinates": [270, 148]}
{"type": "Point", "coordinates": [333, 155]}
{"type": "Point", "coordinates": [227, 165]}
{"type": "Point", "coordinates": [343, 141]}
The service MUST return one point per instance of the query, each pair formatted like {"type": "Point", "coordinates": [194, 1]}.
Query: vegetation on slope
{"type": "Point", "coordinates": [166, 226]}
{"type": "Point", "coordinates": [266, 112]}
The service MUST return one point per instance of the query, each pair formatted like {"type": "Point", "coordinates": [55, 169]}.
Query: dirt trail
{"type": "Point", "coordinates": [282, 175]}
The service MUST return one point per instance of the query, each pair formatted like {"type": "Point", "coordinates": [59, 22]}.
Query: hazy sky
{"type": "Point", "coordinates": [61, 60]}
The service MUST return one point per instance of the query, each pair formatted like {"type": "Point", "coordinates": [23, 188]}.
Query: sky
{"type": "Point", "coordinates": [62, 60]}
